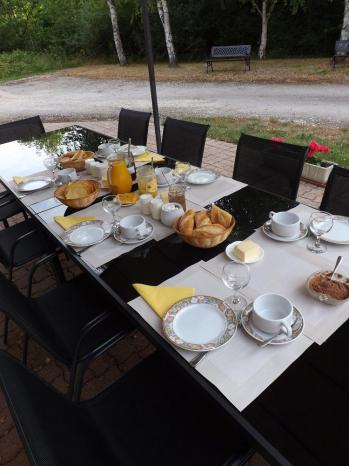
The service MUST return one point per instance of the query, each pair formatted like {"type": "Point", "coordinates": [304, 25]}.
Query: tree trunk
{"type": "Point", "coordinates": [165, 20]}
{"type": "Point", "coordinates": [264, 33]}
{"type": "Point", "coordinates": [116, 33]}
{"type": "Point", "coordinates": [345, 26]}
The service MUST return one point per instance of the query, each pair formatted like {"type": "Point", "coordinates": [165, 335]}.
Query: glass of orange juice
{"type": "Point", "coordinates": [119, 178]}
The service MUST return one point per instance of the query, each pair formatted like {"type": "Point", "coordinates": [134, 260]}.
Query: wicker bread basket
{"type": "Point", "coordinates": [205, 241]}
{"type": "Point", "coordinates": [93, 188]}
{"type": "Point", "coordinates": [79, 164]}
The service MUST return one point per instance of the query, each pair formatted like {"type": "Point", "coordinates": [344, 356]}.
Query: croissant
{"type": "Point", "coordinates": [186, 223]}
{"type": "Point", "coordinates": [220, 216]}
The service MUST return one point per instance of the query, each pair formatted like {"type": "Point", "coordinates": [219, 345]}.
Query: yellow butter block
{"type": "Point", "coordinates": [149, 156]}
{"type": "Point", "coordinates": [247, 251]}
{"type": "Point", "coordinates": [128, 198]}
{"type": "Point", "coordinates": [68, 222]}
{"type": "Point", "coordinates": [105, 183]}
{"type": "Point", "coordinates": [19, 179]}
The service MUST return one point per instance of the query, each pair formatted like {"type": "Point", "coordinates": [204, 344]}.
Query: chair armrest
{"type": "Point", "coordinates": [17, 242]}
{"type": "Point", "coordinates": [48, 258]}
{"type": "Point", "coordinates": [5, 203]}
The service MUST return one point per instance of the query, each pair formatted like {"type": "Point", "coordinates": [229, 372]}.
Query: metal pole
{"type": "Point", "coordinates": [152, 81]}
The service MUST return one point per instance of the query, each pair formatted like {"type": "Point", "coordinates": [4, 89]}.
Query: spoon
{"type": "Point", "coordinates": [338, 263]}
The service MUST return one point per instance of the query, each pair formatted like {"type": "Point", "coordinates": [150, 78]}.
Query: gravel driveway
{"type": "Point", "coordinates": [64, 98]}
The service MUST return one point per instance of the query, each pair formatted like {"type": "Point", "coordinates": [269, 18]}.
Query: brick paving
{"type": "Point", "coordinates": [131, 350]}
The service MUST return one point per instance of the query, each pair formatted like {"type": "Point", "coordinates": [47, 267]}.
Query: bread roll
{"type": "Point", "coordinates": [207, 231]}
{"type": "Point", "coordinates": [186, 222]}
{"type": "Point", "coordinates": [202, 218]}
{"type": "Point", "coordinates": [220, 216]}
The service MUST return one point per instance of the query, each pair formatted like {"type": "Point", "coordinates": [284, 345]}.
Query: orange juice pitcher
{"type": "Point", "coordinates": [119, 178]}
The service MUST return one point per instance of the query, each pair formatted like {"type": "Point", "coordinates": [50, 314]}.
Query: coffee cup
{"type": "Point", "coordinates": [284, 223]}
{"type": "Point", "coordinates": [66, 175]}
{"type": "Point", "coordinates": [106, 149]}
{"type": "Point", "coordinates": [133, 227]}
{"type": "Point", "coordinates": [273, 313]}
{"type": "Point", "coordinates": [164, 175]}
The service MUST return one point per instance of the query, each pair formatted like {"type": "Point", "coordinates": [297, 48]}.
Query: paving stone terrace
{"type": "Point", "coordinates": [131, 350]}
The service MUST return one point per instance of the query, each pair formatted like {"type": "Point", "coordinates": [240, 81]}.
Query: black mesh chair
{"type": "Point", "coordinates": [271, 166]}
{"type": "Point", "coordinates": [133, 124]}
{"type": "Point", "coordinates": [184, 140]}
{"type": "Point", "coordinates": [21, 129]}
{"type": "Point", "coordinates": [75, 321]}
{"type": "Point", "coordinates": [336, 196]}
{"type": "Point", "coordinates": [151, 416]}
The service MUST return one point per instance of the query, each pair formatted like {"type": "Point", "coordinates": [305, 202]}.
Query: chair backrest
{"type": "Point", "coordinates": [230, 51]}
{"type": "Point", "coordinates": [341, 48]}
{"type": "Point", "coordinates": [21, 129]}
{"type": "Point", "coordinates": [133, 124]}
{"type": "Point", "coordinates": [336, 196]}
{"type": "Point", "coordinates": [184, 140]}
{"type": "Point", "coordinates": [271, 166]}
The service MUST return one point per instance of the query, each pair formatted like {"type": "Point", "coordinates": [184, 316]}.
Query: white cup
{"type": "Point", "coordinates": [273, 313]}
{"type": "Point", "coordinates": [170, 212]}
{"type": "Point", "coordinates": [145, 200]}
{"type": "Point", "coordinates": [133, 226]}
{"type": "Point", "coordinates": [155, 208]}
{"type": "Point", "coordinates": [284, 223]}
{"type": "Point", "coordinates": [66, 175]}
{"type": "Point", "coordinates": [106, 149]}
{"type": "Point", "coordinates": [164, 175]}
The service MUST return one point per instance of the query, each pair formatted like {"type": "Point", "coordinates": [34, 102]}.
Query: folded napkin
{"type": "Point", "coordinates": [19, 179]}
{"type": "Point", "coordinates": [68, 222]}
{"type": "Point", "coordinates": [148, 156]}
{"type": "Point", "coordinates": [161, 298]}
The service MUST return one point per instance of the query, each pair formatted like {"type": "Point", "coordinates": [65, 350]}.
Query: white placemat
{"type": "Point", "coordinates": [241, 370]}
{"type": "Point", "coordinates": [208, 193]}
{"type": "Point", "coordinates": [285, 269]}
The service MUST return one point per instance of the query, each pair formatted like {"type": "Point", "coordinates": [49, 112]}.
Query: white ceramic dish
{"type": "Point", "coordinates": [35, 183]}
{"type": "Point", "coordinates": [201, 176]}
{"type": "Point", "coordinates": [149, 231]}
{"type": "Point", "coordinates": [200, 323]}
{"type": "Point", "coordinates": [261, 337]}
{"type": "Point", "coordinates": [86, 234]}
{"type": "Point", "coordinates": [136, 150]}
{"type": "Point", "coordinates": [286, 239]}
{"type": "Point", "coordinates": [339, 233]}
{"type": "Point", "coordinates": [229, 251]}
{"type": "Point", "coordinates": [325, 298]}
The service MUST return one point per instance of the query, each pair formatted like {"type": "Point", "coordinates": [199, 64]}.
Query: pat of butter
{"type": "Point", "coordinates": [247, 251]}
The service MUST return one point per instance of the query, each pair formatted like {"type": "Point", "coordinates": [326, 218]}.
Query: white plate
{"type": "Point", "coordinates": [286, 239]}
{"type": "Point", "coordinates": [35, 183]}
{"type": "Point", "coordinates": [200, 323]}
{"type": "Point", "coordinates": [136, 150]}
{"type": "Point", "coordinates": [229, 250]}
{"type": "Point", "coordinates": [149, 232]}
{"type": "Point", "coordinates": [339, 233]}
{"type": "Point", "coordinates": [259, 335]}
{"type": "Point", "coordinates": [86, 234]}
{"type": "Point", "coordinates": [201, 176]}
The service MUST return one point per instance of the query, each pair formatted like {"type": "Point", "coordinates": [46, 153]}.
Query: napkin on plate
{"type": "Point", "coordinates": [68, 222]}
{"type": "Point", "coordinates": [148, 156]}
{"type": "Point", "coordinates": [161, 298]}
{"type": "Point", "coordinates": [19, 179]}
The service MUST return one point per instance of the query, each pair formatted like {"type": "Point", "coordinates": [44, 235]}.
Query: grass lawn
{"type": "Point", "coordinates": [229, 129]}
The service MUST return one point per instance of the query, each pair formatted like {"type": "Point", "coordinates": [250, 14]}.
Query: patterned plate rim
{"type": "Point", "coordinates": [228, 334]}
{"type": "Point", "coordinates": [135, 241]}
{"type": "Point", "coordinates": [296, 332]}
{"type": "Point", "coordinates": [276, 238]}
{"type": "Point", "coordinates": [66, 234]}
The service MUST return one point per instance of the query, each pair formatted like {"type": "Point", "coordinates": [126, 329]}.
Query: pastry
{"type": "Point", "coordinates": [186, 222]}
{"type": "Point", "coordinates": [202, 218]}
{"type": "Point", "coordinates": [220, 216]}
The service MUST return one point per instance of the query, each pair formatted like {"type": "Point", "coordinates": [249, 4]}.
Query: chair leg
{"type": "Point", "coordinates": [10, 273]}
{"type": "Point", "coordinates": [25, 349]}
{"type": "Point", "coordinates": [25, 215]}
{"type": "Point", "coordinates": [76, 380]}
{"type": "Point", "coordinates": [5, 222]}
{"type": "Point", "coordinates": [6, 322]}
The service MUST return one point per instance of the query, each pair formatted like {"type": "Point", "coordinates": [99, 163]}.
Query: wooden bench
{"type": "Point", "coordinates": [341, 51]}
{"type": "Point", "coordinates": [229, 52]}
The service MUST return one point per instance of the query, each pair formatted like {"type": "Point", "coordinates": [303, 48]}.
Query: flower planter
{"type": "Point", "coordinates": [316, 174]}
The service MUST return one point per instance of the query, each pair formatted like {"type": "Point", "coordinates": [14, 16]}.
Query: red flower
{"type": "Point", "coordinates": [316, 147]}
{"type": "Point", "coordinates": [277, 139]}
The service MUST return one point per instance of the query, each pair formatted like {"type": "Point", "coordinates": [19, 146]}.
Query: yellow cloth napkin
{"type": "Point", "coordinates": [148, 156]}
{"type": "Point", "coordinates": [68, 222]}
{"type": "Point", "coordinates": [19, 179]}
{"type": "Point", "coordinates": [161, 298]}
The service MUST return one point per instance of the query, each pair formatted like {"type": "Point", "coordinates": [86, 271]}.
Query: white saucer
{"type": "Point", "coordinates": [86, 234]}
{"type": "Point", "coordinates": [123, 240]}
{"type": "Point", "coordinates": [286, 239]}
{"type": "Point", "coordinates": [339, 233]}
{"type": "Point", "coordinates": [201, 176]}
{"type": "Point", "coordinates": [34, 183]}
{"type": "Point", "coordinates": [229, 251]}
{"type": "Point", "coordinates": [136, 150]}
{"type": "Point", "coordinates": [259, 335]}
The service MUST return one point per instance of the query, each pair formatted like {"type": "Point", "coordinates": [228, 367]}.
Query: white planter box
{"type": "Point", "coordinates": [315, 173]}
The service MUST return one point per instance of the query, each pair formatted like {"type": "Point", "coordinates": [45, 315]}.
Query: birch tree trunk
{"type": "Point", "coordinates": [116, 33]}
{"type": "Point", "coordinates": [345, 26]}
{"type": "Point", "coordinates": [264, 33]}
{"type": "Point", "coordinates": [165, 20]}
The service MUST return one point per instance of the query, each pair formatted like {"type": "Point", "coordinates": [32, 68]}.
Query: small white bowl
{"type": "Point", "coordinates": [325, 298]}
{"type": "Point", "coordinates": [229, 251]}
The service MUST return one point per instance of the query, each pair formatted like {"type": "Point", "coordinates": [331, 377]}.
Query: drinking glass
{"type": "Point", "coordinates": [319, 223]}
{"type": "Point", "coordinates": [111, 205]}
{"type": "Point", "coordinates": [236, 276]}
{"type": "Point", "coordinates": [51, 163]}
